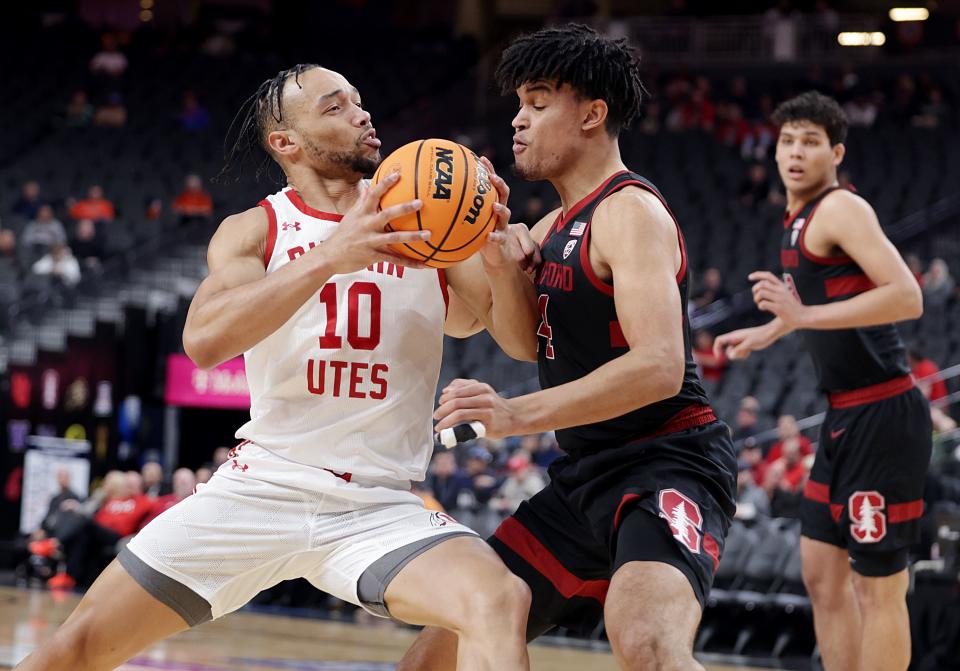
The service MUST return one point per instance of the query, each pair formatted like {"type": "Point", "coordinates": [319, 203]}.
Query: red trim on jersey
{"type": "Point", "coordinates": [848, 284]}
{"type": "Point", "coordinates": [519, 539]}
{"type": "Point", "coordinates": [597, 283]}
{"type": "Point", "coordinates": [904, 512]}
{"type": "Point", "coordinates": [271, 231]}
{"type": "Point", "coordinates": [822, 260]}
{"type": "Point", "coordinates": [871, 394]}
{"type": "Point", "coordinates": [712, 548]}
{"type": "Point", "coordinates": [627, 498]}
{"type": "Point", "coordinates": [551, 229]}
{"type": "Point", "coordinates": [817, 491]}
{"type": "Point", "coordinates": [442, 277]}
{"type": "Point", "coordinates": [575, 210]}
{"type": "Point", "coordinates": [836, 510]}
{"type": "Point", "coordinates": [617, 339]}
{"type": "Point", "coordinates": [306, 209]}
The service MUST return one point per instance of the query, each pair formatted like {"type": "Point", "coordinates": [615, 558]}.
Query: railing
{"type": "Point", "coordinates": [816, 420]}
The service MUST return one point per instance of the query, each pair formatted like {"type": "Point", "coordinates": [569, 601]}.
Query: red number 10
{"type": "Point", "coordinates": [328, 296]}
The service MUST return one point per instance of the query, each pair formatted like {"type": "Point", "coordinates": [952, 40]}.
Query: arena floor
{"type": "Point", "coordinates": [257, 642]}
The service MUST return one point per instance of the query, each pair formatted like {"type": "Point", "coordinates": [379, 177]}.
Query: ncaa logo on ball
{"type": "Point", "coordinates": [443, 167]}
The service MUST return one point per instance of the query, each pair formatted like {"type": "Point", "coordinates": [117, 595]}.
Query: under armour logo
{"type": "Point", "coordinates": [237, 465]}
{"type": "Point", "coordinates": [295, 226]}
{"type": "Point", "coordinates": [684, 518]}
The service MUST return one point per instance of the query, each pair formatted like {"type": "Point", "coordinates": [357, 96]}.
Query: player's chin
{"type": "Point", "coordinates": [525, 170]}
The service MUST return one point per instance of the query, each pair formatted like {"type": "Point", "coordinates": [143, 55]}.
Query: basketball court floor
{"type": "Point", "coordinates": [257, 642]}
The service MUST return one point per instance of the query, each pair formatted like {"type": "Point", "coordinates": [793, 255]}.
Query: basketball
{"type": "Point", "coordinates": [457, 200]}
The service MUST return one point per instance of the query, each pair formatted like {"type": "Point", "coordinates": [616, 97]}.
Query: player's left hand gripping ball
{"type": "Point", "coordinates": [465, 401]}
{"type": "Point", "coordinates": [507, 244]}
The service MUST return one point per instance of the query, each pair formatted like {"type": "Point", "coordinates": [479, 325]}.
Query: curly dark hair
{"type": "Point", "coordinates": [818, 109]}
{"type": "Point", "coordinates": [595, 67]}
{"type": "Point", "coordinates": [258, 116]}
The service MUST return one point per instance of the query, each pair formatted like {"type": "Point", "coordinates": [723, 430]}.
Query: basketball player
{"type": "Point", "coordinates": [844, 285]}
{"type": "Point", "coordinates": [633, 522]}
{"type": "Point", "coordinates": [342, 341]}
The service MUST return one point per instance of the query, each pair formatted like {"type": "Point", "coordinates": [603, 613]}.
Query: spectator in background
{"type": "Point", "coordinates": [712, 289]}
{"type": "Point", "coordinates": [95, 206]}
{"type": "Point", "coordinates": [784, 481]}
{"type": "Point", "coordinates": [482, 481]}
{"type": "Point", "coordinates": [938, 284]}
{"type": "Point", "coordinates": [203, 475]}
{"type": "Point", "coordinates": [922, 367]}
{"type": "Point", "coordinates": [111, 114]}
{"type": "Point", "coordinates": [780, 28]}
{"type": "Point", "coordinates": [789, 438]}
{"type": "Point", "coordinates": [220, 456]}
{"type": "Point", "coordinates": [446, 480]}
{"type": "Point", "coordinates": [755, 188]}
{"type": "Point", "coordinates": [548, 450]}
{"type": "Point", "coordinates": [154, 209]}
{"type": "Point", "coordinates": [861, 111]}
{"type": "Point", "coordinates": [64, 493]}
{"type": "Point", "coordinates": [153, 484]}
{"type": "Point", "coordinates": [60, 264]}
{"type": "Point", "coordinates": [916, 267]}
{"type": "Point", "coordinates": [43, 232]}
{"type": "Point", "coordinates": [752, 501]}
{"type": "Point", "coordinates": [746, 423]}
{"type": "Point", "coordinates": [184, 483]}
{"type": "Point", "coordinates": [109, 61]}
{"type": "Point", "coordinates": [9, 259]}
{"type": "Point", "coordinates": [711, 365]}
{"type": "Point", "coordinates": [193, 204]}
{"type": "Point", "coordinates": [79, 112]}
{"type": "Point", "coordinates": [732, 129]}
{"type": "Point", "coordinates": [934, 112]}
{"type": "Point", "coordinates": [135, 484]}
{"type": "Point", "coordinates": [86, 245]}
{"type": "Point", "coordinates": [523, 481]}
{"type": "Point", "coordinates": [28, 205]}
{"type": "Point", "coordinates": [193, 116]}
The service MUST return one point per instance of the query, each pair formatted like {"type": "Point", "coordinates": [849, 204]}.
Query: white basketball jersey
{"type": "Point", "coordinates": [348, 382]}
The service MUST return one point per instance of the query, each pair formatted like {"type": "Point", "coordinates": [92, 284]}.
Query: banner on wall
{"type": "Point", "coordinates": [222, 387]}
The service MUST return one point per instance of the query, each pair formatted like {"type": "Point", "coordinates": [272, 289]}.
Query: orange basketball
{"type": "Point", "coordinates": [457, 200]}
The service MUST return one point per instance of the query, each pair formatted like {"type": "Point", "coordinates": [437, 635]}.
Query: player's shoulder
{"type": "Point", "coordinates": [633, 204]}
{"type": "Point", "coordinates": [241, 234]}
{"type": "Point", "coordinates": [844, 204]}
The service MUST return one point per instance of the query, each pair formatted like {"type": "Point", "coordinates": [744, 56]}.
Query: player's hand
{"type": "Point", "coordinates": [464, 401]}
{"type": "Point", "coordinates": [741, 343]}
{"type": "Point", "coordinates": [771, 294]}
{"type": "Point", "coordinates": [361, 239]}
{"type": "Point", "coordinates": [507, 243]}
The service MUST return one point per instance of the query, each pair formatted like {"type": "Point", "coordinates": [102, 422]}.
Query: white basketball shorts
{"type": "Point", "coordinates": [262, 519]}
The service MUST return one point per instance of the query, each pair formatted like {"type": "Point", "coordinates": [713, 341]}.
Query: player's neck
{"type": "Point", "coordinates": [327, 195]}
{"type": "Point", "coordinates": [797, 199]}
{"type": "Point", "coordinates": [588, 172]}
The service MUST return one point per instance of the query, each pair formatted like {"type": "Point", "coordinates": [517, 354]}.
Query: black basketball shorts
{"type": "Point", "coordinates": [667, 499]}
{"type": "Point", "coordinates": [866, 486]}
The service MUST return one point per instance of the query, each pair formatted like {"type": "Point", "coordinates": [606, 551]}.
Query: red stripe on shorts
{"type": "Point", "coordinates": [519, 539]}
{"type": "Point", "coordinates": [816, 491]}
{"type": "Point", "coordinates": [904, 512]}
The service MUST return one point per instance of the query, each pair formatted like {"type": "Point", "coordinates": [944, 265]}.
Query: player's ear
{"type": "Point", "coordinates": [594, 114]}
{"type": "Point", "coordinates": [839, 151]}
{"type": "Point", "coordinates": [281, 142]}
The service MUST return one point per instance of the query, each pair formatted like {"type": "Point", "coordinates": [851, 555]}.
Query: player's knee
{"type": "Point", "coordinates": [880, 594]}
{"type": "Point", "coordinates": [504, 603]}
{"type": "Point", "coordinates": [639, 646]}
{"type": "Point", "coordinates": [824, 587]}
{"type": "Point", "coordinates": [73, 645]}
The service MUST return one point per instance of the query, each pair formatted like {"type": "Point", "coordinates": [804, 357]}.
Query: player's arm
{"type": "Point", "coordinates": [740, 343]}
{"type": "Point", "coordinates": [633, 234]}
{"type": "Point", "coordinates": [848, 222]}
{"type": "Point", "coordinates": [239, 304]}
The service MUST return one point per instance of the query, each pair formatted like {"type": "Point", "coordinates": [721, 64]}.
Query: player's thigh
{"type": "Point", "coordinates": [651, 610]}
{"type": "Point", "coordinates": [101, 626]}
{"type": "Point", "coordinates": [455, 584]}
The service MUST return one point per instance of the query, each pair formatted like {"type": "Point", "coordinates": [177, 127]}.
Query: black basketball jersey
{"type": "Point", "coordinates": [844, 359]}
{"type": "Point", "coordinates": [579, 329]}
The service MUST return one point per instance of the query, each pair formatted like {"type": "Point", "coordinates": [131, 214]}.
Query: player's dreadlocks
{"type": "Point", "coordinates": [259, 115]}
{"type": "Point", "coordinates": [594, 66]}
{"type": "Point", "coordinates": [815, 108]}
